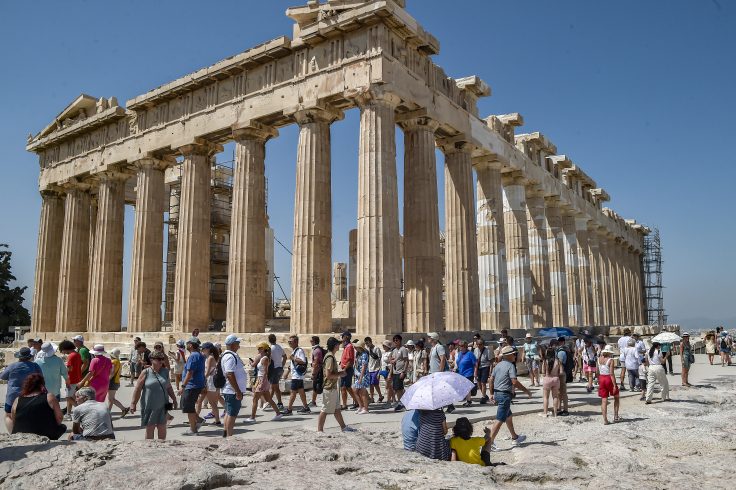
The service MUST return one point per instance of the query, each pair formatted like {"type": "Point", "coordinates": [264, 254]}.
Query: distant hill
{"type": "Point", "coordinates": [697, 324]}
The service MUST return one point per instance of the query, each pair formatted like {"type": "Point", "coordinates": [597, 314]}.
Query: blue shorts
{"type": "Point", "coordinates": [347, 380]}
{"type": "Point", "coordinates": [384, 373]}
{"type": "Point", "coordinates": [503, 400]}
{"type": "Point", "coordinates": [483, 374]}
{"type": "Point", "coordinates": [232, 404]}
{"type": "Point", "coordinates": [297, 384]}
{"type": "Point", "coordinates": [373, 378]}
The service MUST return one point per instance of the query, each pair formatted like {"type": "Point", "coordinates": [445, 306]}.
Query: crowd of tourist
{"type": "Point", "coordinates": [197, 376]}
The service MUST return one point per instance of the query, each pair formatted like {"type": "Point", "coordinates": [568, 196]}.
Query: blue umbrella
{"type": "Point", "coordinates": [556, 332]}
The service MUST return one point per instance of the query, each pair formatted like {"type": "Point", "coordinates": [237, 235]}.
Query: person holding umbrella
{"type": "Point", "coordinates": [502, 380]}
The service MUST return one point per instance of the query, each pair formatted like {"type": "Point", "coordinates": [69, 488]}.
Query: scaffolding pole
{"type": "Point", "coordinates": [653, 289]}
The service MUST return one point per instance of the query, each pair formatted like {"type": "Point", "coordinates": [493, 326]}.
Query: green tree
{"type": "Point", "coordinates": [12, 311]}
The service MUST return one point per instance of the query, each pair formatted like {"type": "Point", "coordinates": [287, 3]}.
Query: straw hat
{"type": "Point", "coordinates": [360, 345]}
{"type": "Point", "coordinates": [98, 350]}
{"type": "Point", "coordinates": [608, 349]}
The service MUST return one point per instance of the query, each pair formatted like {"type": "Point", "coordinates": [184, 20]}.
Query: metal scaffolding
{"type": "Point", "coordinates": [653, 289]}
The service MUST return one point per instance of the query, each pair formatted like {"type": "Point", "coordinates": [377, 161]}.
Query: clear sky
{"type": "Point", "coordinates": [642, 95]}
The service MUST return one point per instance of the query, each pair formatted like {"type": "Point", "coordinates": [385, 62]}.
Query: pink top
{"type": "Point", "coordinates": [100, 367]}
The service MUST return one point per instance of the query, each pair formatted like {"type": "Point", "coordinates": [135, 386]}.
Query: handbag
{"type": "Point", "coordinates": [168, 406]}
{"type": "Point", "coordinates": [691, 358]}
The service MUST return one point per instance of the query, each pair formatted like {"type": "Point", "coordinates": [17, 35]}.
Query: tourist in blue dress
{"type": "Point", "coordinates": [361, 380]}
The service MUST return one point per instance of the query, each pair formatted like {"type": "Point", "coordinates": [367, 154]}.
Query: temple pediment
{"type": "Point", "coordinates": [80, 109]}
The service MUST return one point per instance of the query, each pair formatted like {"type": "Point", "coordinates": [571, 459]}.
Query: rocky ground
{"type": "Point", "coordinates": [688, 442]}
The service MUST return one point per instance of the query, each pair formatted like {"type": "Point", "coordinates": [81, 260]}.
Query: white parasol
{"type": "Point", "coordinates": [666, 338]}
{"type": "Point", "coordinates": [436, 391]}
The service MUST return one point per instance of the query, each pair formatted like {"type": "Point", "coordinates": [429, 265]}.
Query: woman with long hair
{"type": "Point", "coordinates": [468, 449]}
{"type": "Point", "coordinates": [212, 393]}
{"type": "Point", "coordinates": [657, 373]}
{"type": "Point", "coordinates": [36, 411]}
{"type": "Point", "coordinates": [551, 369]}
{"type": "Point", "coordinates": [262, 387]}
{"type": "Point", "coordinates": [686, 358]}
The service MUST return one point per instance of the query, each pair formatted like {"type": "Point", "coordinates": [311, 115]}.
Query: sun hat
{"type": "Point", "coordinates": [48, 349]}
{"type": "Point", "coordinates": [158, 343]}
{"type": "Point", "coordinates": [502, 340]}
{"type": "Point", "coordinates": [434, 335]}
{"type": "Point", "coordinates": [508, 350]}
{"type": "Point", "coordinates": [528, 335]}
{"type": "Point", "coordinates": [409, 343]}
{"type": "Point", "coordinates": [387, 343]}
{"type": "Point", "coordinates": [608, 349]}
{"type": "Point", "coordinates": [194, 340]}
{"type": "Point", "coordinates": [360, 345]}
{"type": "Point", "coordinates": [78, 337]}
{"type": "Point", "coordinates": [98, 350]}
{"type": "Point", "coordinates": [264, 346]}
{"type": "Point", "coordinates": [232, 338]}
{"type": "Point", "coordinates": [180, 343]}
{"type": "Point", "coordinates": [686, 334]}
{"type": "Point", "coordinates": [23, 353]}
{"type": "Point", "coordinates": [115, 353]}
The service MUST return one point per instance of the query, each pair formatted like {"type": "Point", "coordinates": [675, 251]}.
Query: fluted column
{"type": "Point", "coordinates": [191, 289]}
{"type": "Point", "coordinates": [586, 290]}
{"type": "Point", "coordinates": [539, 258]}
{"type": "Point", "coordinates": [146, 272]}
{"type": "Point", "coordinates": [71, 312]}
{"type": "Point", "coordinates": [631, 290]}
{"type": "Point", "coordinates": [246, 287]}
{"type": "Point", "coordinates": [492, 275]}
{"type": "Point", "coordinates": [594, 256]}
{"type": "Point", "coordinates": [572, 269]}
{"type": "Point", "coordinates": [462, 308]}
{"type": "Point", "coordinates": [422, 258]}
{"type": "Point", "coordinates": [352, 268]}
{"type": "Point", "coordinates": [311, 271]}
{"type": "Point", "coordinates": [557, 267]}
{"type": "Point", "coordinates": [106, 286]}
{"type": "Point", "coordinates": [615, 282]}
{"type": "Point", "coordinates": [605, 274]}
{"type": "Point", "coordinates": [378, 288]}
{"type": "Point", "coordinates": [91, 244]}
{"type": "Point", "coordinates": [48, 261]}
{"type": "Point", "coordinates": [639, 289]}
{"type": "Point", "coordinates": [517, 251]}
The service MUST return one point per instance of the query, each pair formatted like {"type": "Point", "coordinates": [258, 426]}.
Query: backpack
{"type": "Point", "coordinates": [219, 379]}
{"type": "Point", "coordinates": [724, 344]}
{"type": "Point", "coordinates": [569, 364]}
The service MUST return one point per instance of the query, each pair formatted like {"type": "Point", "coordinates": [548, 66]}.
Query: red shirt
{"type": "Point", "coordinates": [74, 366]}
{"type": "Point", "coordinates": [348, 356]}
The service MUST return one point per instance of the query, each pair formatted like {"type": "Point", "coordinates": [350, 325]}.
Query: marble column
{"type": "Point", "coordinates": [517, 251]}
{"type": "Point", "coordinates": [378, 285]}
{"type": "Point", "coordinates": [311, 270]}
{"type": "Point", "coordinates": [586, 290]}
{"type": "Point", "coordinates": [539, 258]}
{"type": "Point", "coordinates": [71, 311]}
{"type": "Point", "coordinates": [605, 275]}
{"type": "Point", "coordinates": [557, 267]}
{"type": "Point", "coordinates": [352, 268]}
{"type": "Point", "coordinates": [91, 244]}
{"type": "Point", "coordinates": [48, 261]}
{"type": "Point", "coordinates": [246, 287]}
{"type": "Point", "coordinates": [492, 275]}
{"type": "Point", "coordinates": [422, 258]}
{"type": "Point", "coordinates": [631, 289]}
{"type": "Point", "coordinates": [462, 308]}
{"type": "Point", "coordinates": [106, 286]}
{"type": "Point", "coordinates": [146, 272]}
{"type": "Point", "coordinates": [572, 269]}
{"type": "Point", "coordinates": [614, 258]}
{"type": "Point", "coordinates": [594, 256]}
{"type": "Point", "coordinates": [191, 288]}
{"type": "Point", "coordinates": [638, 271]}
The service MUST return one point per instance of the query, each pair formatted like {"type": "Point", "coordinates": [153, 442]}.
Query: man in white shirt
{"type": "Point", "coordinates": [279, 359]}
{"type": "Point", "coordinates": [298, 368]}
{"type": "Point", "coordinates": [236, 382]}
{"type": "Point", "coordinates": [622, 344]}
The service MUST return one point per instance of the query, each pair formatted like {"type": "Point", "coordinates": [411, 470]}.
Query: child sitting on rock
{"type": "Point", "coordinates": [468, 449]}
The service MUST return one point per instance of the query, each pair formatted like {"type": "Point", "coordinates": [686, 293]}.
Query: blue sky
{"type": "Point", "coordinates": [640, 94]}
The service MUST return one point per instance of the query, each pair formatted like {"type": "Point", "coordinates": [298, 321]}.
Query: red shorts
{"type": "Point", "coordinates": [606, 387]}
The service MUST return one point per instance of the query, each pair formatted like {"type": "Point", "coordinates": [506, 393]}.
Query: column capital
{"type": "Point", "coordinates": [374, 94]}
{"type": "Point", "coordinates": [254, 130]}
{"type": "Point", "coordinates": [455, 144]}
{"type": "Point", "coordinates": [515, 177]}
{"type": "Point", "coordinates": [199, 147]}
{"type": "Point", "coordinates": [533, 190]}
{"type": "Point", "coordinates": [74, 184]}
{"type": "Point", "coordinates": [316, 113]}
{"type": "Point", "coordinates": [112, 175]}
{"type": "Point", "coordinates": [154, 163]}
{"type": "Point", "coordinates": [488, 161]}
{"type": "Point", "coordinates": [417, 120]}
{"type": "Point", "coordinates": [52, 192]}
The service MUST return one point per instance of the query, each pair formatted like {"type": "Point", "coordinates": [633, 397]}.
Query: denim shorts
{"type": "Point", "coordinates": [503, 400]}
{"type": "Point", "coordinates": [483, 374]}
{"type": "Point", "coordinates": [347, 380]}
{"type": "Point", "coordinates": [297, 384]}
{"type": "Point", "coordinates": [232, 404]}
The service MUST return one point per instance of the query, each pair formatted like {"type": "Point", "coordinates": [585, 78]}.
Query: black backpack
{"type": "Point", "coordinates": [219, 379]}
{"type": "Point", "coordinates": [569, 364]}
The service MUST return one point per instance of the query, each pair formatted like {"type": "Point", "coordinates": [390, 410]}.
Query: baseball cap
{"type": "Point", "coordinates": [528, 335]}
{"type": "Point", "coordinates": [78, 337]}
{"type": "Point", "coordinates": [208, 345]}
{"type": "Point", "coordinates": [193, 340]}
{"type": "Point", "coordinates": [346, 334]}
{"type": "Point", "coordinates": [231, 339]}
{"type": "Point", "coordinates": [434, 335]}
{"type": "Point", "coordinates": [410, 343]}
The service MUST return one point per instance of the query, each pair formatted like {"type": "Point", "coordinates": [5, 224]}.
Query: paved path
{"type": "Point", "coordinates": [128, 428]}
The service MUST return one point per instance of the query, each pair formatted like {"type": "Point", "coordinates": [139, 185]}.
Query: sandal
{"type": "Point", "coordinates": [617, 419]}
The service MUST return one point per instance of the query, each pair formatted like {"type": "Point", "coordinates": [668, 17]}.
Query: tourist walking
{"type": "Point", "coordinates": [114, 384]}
{"type": "Point", "coordinates": [262, 387]}
{"type": "Point", "coordinates": [590, 362]}
{"type": "Point", "coordinates": [132, 362]}
{"type": "Point", "coordinates": [178, 360]}
{"type": "Point", "coordinates": [687, 358]}
{"type": "Point", "coordinates": [666, 351]}
{"type": "Point", "coordinates": [657, 373]}
{"type": "Point", "coordinates": [347, 364]}
{"type": "Point", "coordinates": [361, 382]}
{"type": "Point", "coordinates": [318, 378]}
{"type": "Point", "coordinates": [710, 346]}
{"type": "Point", "coordinates": [153, 389]}
{"type": "Point", "coordinates": [503, 379]}
{"type": "Point", "coordinates": [83, 353]}
{"type": "Point", "coordinates": [607, 385]}
{"type": "Point", "coordinates": [468, 449]}
{"type": "Point", "coordinates": [386, 371]}
{"type": "Point", "coordinates": [374, 368]}
{"type": "Point", "coordinates": [193, 383]}
{"type": "Point", "coordinates": [330, 393]}
{"type": "Point", "coordinates": [210, 393]}
{"type": "Point", "coordinates": [643, 374]}
{"type": "Point", "coordinates": [483, 365]}
{"type": "Point", "coordinates": [235, 383]}
{"type": "Point", "coordinates": [278, 356]}
{"type": "Point", "coordinates": [159, 347]}
{"type": "Point", "coordinates": [567, 363]}
{"type": "Point", "coordinates": [399, 363]}
{"type": "Point", "coordinates": [623, 342]}
{"type": "Point", "coordinates": [35, 410]}
{"type": "Point", "coordinates": [725, 343]}
{"type": "Point", "coordinates": [631, 363]}
{"type": "Point", "coordinates": [551, 369]}
{"type": "Point", "coordinates": [91, 419]}
{"type": "Point", "coordinates": [74, 370]}
{"type": "Point", "coordinates": [531, 356]}
{"type": "Point", "coordinates": [98, 376]}
{"type": "Point", "coordinates": [438, 360]}
{"type": "Point", "coordinates": [419, 361]}
{"type": "Point", "coordinates": [53, 369]}
{"type": "Point", "coordinates": [466, 364]}
{"type": "Point", "coordinates": [431, 441]}
{"type": "Point", "coordinates": [298, 369]}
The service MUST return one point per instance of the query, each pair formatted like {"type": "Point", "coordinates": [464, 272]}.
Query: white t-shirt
{"type": "Point", "coordinates": [655, 359]}
{"type": "Point", "coordinates": [277, 355]}
{"type": "Point", "coordinates": [231, 363]}
{"type": "Point", "coordinates": [299, 354]}
{"type": "Point", "coordinates": [374, 364]}
{"type": "Point", "coordinates": [631, 358]}
{"type": "Point", "coordinates": [623, 342]}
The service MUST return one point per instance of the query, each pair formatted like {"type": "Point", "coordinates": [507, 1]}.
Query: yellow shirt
{"type": "Point", "coordinates": [116, 370]}
{"type": "Point", "coordinates": [468, 451]}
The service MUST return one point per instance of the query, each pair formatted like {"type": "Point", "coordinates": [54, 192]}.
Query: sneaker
{"type": "Point", "coordinates": [450, 408]}
{"type": "Point", "coordinates": [622, 388]}
{"type": "Point", "coordinates": [399, 408]}
{"type": "Point", "coordinates": [564, 413]}
{"type": "Point", "coordinates": [218, 423]}
{"type": "Point", "coordinates": [266, 408]}
{"type": "Point", "coordinates": [277, 417]}
{"type": "Point", "coordinates": [467, 403]}
{"type": "Point", "coordinates": [249, 420]}
{"type": "Point", "coordinates": [494, 448]}
{"type": "Point", "coordinates": [347, 428]}
{"type": "Point", "coordinates": [286, 412]}
{"type": "Point", "coordinates": [380, 399]}
{"type": "Point", "coordinates": [519, 439]}
{"type": "Point", "coordinates": [280, 406]}
{"type": "Point", "coordinates": [209, 416]}
{"type": "Point", "coordinates": [312, 404]}
{"type": "Point", "coordinates": [191, 433]}
{"type": "Point", "coordinates": [354, 406]}
{"type": "Point", "coordinates": [304, 410]}
{"type": "Point", "coordinates": [362, 411]}
{"type": "Point", "coordinates": [200, 422]}
{"type": "Point", "coordinates": [484, 400]}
